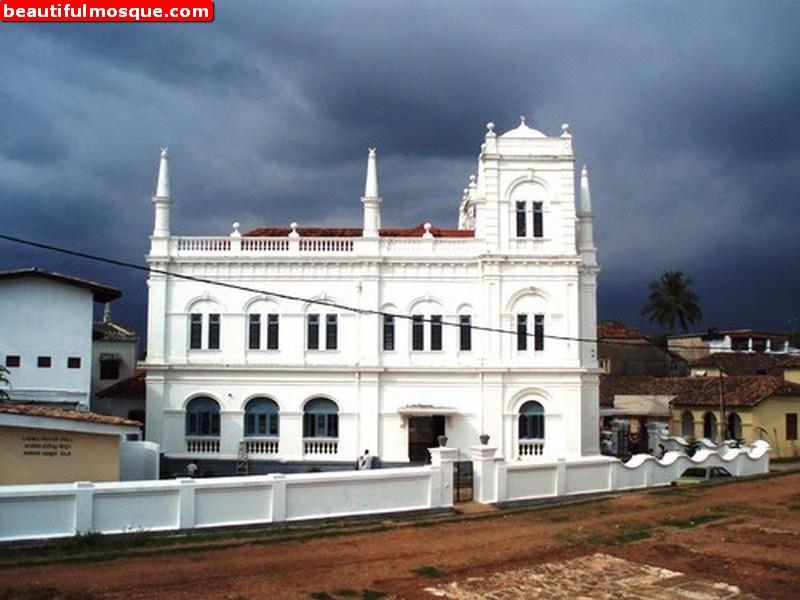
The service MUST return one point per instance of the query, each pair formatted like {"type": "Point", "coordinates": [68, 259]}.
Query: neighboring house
{"type": "Point", "coordinates": [41, 444]}
{"type": "Point", "coordinates": [623, 350]}
{"type": "Point", "coordinates": [756, 407]}
{"type": "Point", "coordinates": [635, 410]}
{"type": "Point", "coordinates": [125, 399]}
{"type": "Point", "coordinates": [238, 373]}
{"type": "Point", "coordinates": [46, 335]}
{"type": "Point", "coordinates": [742, 363]}
{"type": "Point", "coordinates": [114, 352]}
{"type": "Point", "coordinates": [693, 346]}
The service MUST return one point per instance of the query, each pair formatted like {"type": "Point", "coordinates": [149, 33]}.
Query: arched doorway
{"type": "Point", "coordinates": [710, 428]}
{"type": "Point", "coordinates": [687, 424]}
{"type": "Point", "coordinates": [734, 426]}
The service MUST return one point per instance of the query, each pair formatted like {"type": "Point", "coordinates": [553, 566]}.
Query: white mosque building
{"type": "Point", "coordinates": [235, 372]}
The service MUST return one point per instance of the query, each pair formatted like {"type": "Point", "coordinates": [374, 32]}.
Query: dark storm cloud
{"type": "Point", "coordinates": [684, 112]}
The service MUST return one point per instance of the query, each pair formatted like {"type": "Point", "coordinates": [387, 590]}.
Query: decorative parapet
{"type": "Point", "coordinates": [222, 246]}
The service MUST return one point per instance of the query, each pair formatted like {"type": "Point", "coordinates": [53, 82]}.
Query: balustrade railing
{"type": "Point", "coordinates": [261, 446]}
{"type": "Point", "coordinates": [204, 244]}
{"type": "Point", "coordinates": [265, 244]}
{"type": "Point", "coordinates": [314, 447]}
{"type": "Point", "coordinates": [326, 245]}
{"type": "Point", "coordinates": [528, 448]}
{"type": "Point", "coordinates": [192, 246]}
{"type": "Point", "coordinates": [202, 445]}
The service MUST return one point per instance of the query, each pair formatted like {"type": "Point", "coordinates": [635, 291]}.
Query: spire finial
{"type": "Point", "coordinates": [521, 120]}
{"type": "Point", "coordinates": [162, 187]}
{"type": "Point", "coordinates": [107, 312]}
{"type": "Point", "coordinates": [586, 195]}
{"type": "Point", "coordinates": [371, 184]}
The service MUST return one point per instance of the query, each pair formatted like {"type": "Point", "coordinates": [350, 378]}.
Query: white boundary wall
{"type": "Point", "coordinates": [497, 481]}
{"type": "Point", "coordinates": [61, 510]}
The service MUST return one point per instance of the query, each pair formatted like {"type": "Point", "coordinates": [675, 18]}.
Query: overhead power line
{"type": "Point", "coordinates": [294, 298]}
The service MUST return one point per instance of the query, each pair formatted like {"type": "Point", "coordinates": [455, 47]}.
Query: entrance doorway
{"type": "Point", "coordinates": [422, 434]}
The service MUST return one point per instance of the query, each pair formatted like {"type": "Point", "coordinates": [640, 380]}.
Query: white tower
{"type": "Point", "coordinates": [162, 200]}
{"type": "Point", "coordinates": [371, 198]}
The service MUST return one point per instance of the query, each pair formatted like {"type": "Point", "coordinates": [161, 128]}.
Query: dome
{"type": "Point", "coordinates": [523, 131]}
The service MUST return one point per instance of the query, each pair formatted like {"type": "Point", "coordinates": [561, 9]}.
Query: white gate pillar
{"type": "Point", "coordinates": [484, 472]}
{"type": "Point", "coordinates": [443, 459]}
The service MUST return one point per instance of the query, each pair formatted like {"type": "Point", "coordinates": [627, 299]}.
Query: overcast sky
{"type": "Point", "coordinates": [686, 114]}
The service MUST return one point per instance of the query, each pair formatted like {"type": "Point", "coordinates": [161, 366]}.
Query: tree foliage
{"type": "Point", "coordinates": [672, 299]}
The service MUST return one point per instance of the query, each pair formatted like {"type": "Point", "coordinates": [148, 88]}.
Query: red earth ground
{"type": "Point", "coordinates": [745, 533]}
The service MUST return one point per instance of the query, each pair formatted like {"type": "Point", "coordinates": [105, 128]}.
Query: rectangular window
{"type": "Point", "coordinates": [250, 424]}
{"type": "Point", "coordinates": [521, 228]}
{"type": "Point", "coordinates": [272, 332]}
{"type": "Point", "coordinates": [791, 426]}
{"type": "Point", "coordinates": [417, 332]}
{"type": "Point", "coordinates": [196, 331]}
{"type": "Point", "coordinates": [331, 332]}
{"type": "Point", "coordinates": [254, 332]}
{"type": "Point", "coordinates": [436, 332]}
{"type": "Point", "coordinates": [465, 332]}
{"type": "Point", "coordinates": [522, 332]}
{"type": "Point", "coordinates": [109, 369]}
{"type": "Point", "coordinates": [538, 220]}
{"type": "Point", "coordinates": [388, 332]}
{"type": "Point", "coordinates": [313, 332]}
{"type": "Point", "coordinates": [273, 424]}
{"type": "Point", "coordinates": [43, 362]}
{"type": "Point", "coordinates": [74, 362]}
{"type": "Point", "coordinates": [213, 331]}
{"type": "Point", "coordinates": [13, 360]}
{"type": "Point", "coordinates": [538, 332]}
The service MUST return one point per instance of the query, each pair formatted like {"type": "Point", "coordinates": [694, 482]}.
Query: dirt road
{"type": "Point", "coordinates": [746, 534]}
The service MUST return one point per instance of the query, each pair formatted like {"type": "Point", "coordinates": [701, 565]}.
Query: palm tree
{"type": "Point", "coordinates": [4, 381]}
{"type": "Point", "coordinates": [672, 299]}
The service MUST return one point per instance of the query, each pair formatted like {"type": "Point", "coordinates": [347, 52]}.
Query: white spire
{"type": "Point", "coordinates": [585, 221]}
{"type": "Point", "coordinates": [162, 199]}
{"type": "Point", "coordinates": [162, 187]}
{"type": "Point", "coordinates": [586, 196]}
{"type": "Point", "coordinates": [371, 199]}
{"type": "Point", "coordinates": [371, 185]}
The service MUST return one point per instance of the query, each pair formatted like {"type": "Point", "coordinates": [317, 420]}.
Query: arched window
{"type": "Point", "coordinates": [687, 424]}
{"type": "Point", "coordinates": [321, 419]}
{"type": "Point", "coordinates": [734, 426]}
{"type": "Point", "coordinates": [531, 421]}
{"type": "Point", "coordinates": [261, 417]}
{"type": "Point", "coordinates": [202, 417]}
{"type": "Point", "coordinates": [710, 426]}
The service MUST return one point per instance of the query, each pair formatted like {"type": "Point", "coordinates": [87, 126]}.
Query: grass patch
{"type": "Point", "coordinates": [693, 521]}
{"type": "Point", "coordinates": [372, 595]}
{"type": "Point", "coordinates": [345, 593]}
{"type": "Point", "coordinates": [631, 533]}
{"type": "Point", "coordinates": [428, 571]}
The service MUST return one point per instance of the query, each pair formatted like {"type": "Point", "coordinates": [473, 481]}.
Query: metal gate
{"type": "Point", "coordinates": [462, 481]}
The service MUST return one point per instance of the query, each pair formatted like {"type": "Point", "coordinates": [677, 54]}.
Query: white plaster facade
{"type": "Point", "coordinates": [46, 335]}
{"type": "Point", "coordinates": [484, 270]}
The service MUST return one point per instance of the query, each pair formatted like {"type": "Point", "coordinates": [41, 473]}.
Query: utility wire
{"type": "Point", "coordinates": [327, 303]}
